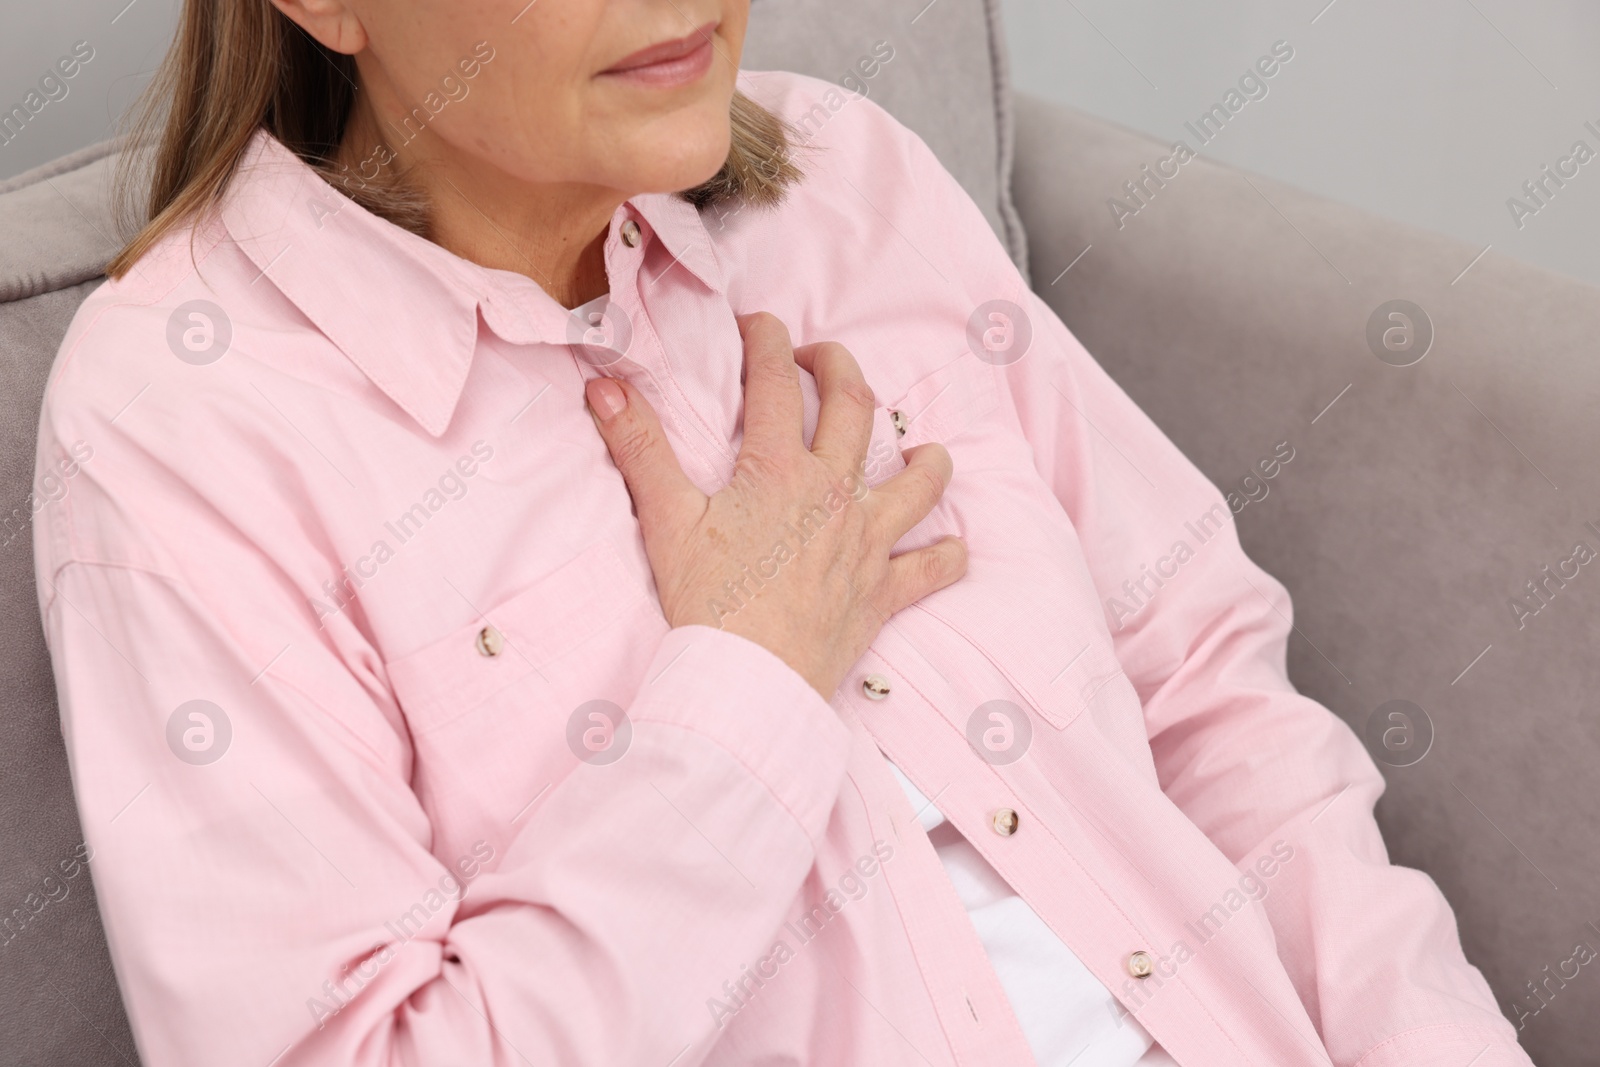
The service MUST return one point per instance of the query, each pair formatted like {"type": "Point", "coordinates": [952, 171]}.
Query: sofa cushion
{"type": "Point", "coordinates": [57, 220]}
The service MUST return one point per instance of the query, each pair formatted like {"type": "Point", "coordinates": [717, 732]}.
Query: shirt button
{"type": "Point", "coordinates": [899, 421]}
{"type": "Point", "coordinates": [1140, 964]}
{"type": "Point", "coordinates": [875, 686]}
{"type": "Point", "coordinates": [630, 233]}
{"type": "Point", "coordinates": [1004, 822]}
{"type": "Point", "coordinates": [490, 641]}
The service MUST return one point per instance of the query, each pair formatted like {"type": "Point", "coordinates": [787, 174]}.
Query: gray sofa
{"type": "Point", "coordinates": [1422, 497]}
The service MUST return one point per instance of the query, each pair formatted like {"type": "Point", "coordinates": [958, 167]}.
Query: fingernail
{"type": "Point", "coordinates": [605, 397]}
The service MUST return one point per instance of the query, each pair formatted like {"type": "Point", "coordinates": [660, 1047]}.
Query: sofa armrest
{"type": "Point", "coordinates": [1419, 504]}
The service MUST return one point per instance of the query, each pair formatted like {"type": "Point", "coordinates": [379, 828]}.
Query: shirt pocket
{"type": "Point", "coordinates": [1032, 613]}
{"type": "Point", "coordinates": [544, 642]}
{"type": "Point", "coordinates": [942, 407]}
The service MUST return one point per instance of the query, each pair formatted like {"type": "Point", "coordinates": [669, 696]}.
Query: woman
{"type": "Point", "coordinates": [483, 639]}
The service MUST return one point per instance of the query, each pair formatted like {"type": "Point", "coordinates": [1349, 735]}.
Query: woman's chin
{"type": "Point", "coordinates": [672, 165]}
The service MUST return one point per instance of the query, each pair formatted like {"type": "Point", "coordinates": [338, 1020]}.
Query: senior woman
{"type": "Point", "coordinates": [482, 639]}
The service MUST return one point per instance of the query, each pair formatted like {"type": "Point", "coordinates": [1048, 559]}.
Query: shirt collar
{"type": "Point", "coordinates": [401, 308]}
{"type": "Point", "coordinates": [680, 228]}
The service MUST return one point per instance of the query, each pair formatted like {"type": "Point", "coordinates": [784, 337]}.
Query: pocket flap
{"type": "Point", "coordinates": [942, 405]}
{"type": "Point", "coordinates": [546, 620]}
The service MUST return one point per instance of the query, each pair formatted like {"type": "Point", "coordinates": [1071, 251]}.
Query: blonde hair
{"type": "Point", "coordinates": [241, 65]}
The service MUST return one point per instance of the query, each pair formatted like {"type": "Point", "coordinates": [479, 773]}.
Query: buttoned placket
{"type": "Point", "coordinates": [642, 362]}
{"type": "Point", "coordinates": [968, 997]}
{"type": "Point", "coordinates": [975, 803]}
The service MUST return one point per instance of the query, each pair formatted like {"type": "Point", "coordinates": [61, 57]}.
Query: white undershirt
{"type": "Point", "coordinates": [1065, 1012]}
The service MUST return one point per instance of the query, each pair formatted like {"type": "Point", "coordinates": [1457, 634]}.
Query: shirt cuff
{"type": "Point", "coordinates": [758, 708]}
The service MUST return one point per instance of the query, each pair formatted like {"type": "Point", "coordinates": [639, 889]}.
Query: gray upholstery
{"type": "Point", "coordinates": [1401, 526]}
{"type": "Point", "coordinates": [1408, 517]}
{"type": "Point", "coordinates": [57, 228]}
{"type": "Point", "coordinates": [58, 999]}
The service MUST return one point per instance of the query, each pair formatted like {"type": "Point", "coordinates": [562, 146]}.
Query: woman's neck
{"type": "Point", "coordinates": [553, 233]}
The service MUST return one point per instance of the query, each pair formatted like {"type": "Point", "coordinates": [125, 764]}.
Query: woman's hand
{"type": "Point", "coordinates": [834, 591]}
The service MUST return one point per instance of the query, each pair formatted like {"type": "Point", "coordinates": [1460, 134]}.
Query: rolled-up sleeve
{"type": "Point", "coordinates": [264, 867]}
{"type": "Point", "coordinates": [1372, 948]}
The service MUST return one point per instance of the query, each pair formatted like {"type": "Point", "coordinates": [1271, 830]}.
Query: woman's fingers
{"type": "Point", "coordinates": [663, 496]}
{"type": "Point", "coordinates": [913, 575]}
{"type": "Point", "coordinates": [902, 501]}
{"type": "Point", "coordinates": [773, 411]}
{"type": "Point", "coordinates": [830, 599]}
{"type": "Point", "coordinates": [844, 422]}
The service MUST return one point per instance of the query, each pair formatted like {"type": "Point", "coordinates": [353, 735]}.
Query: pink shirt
{"type": "Point", "coordinates": [341, 568]}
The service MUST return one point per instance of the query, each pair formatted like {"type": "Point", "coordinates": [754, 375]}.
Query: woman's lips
{"type": "Point", "coordinates": [675, 62]}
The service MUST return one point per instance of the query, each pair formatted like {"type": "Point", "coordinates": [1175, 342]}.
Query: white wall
{"type": "Point", "coordinates": [1431, 112]}
{"type": "Point", "coordinates": [128, 40]}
